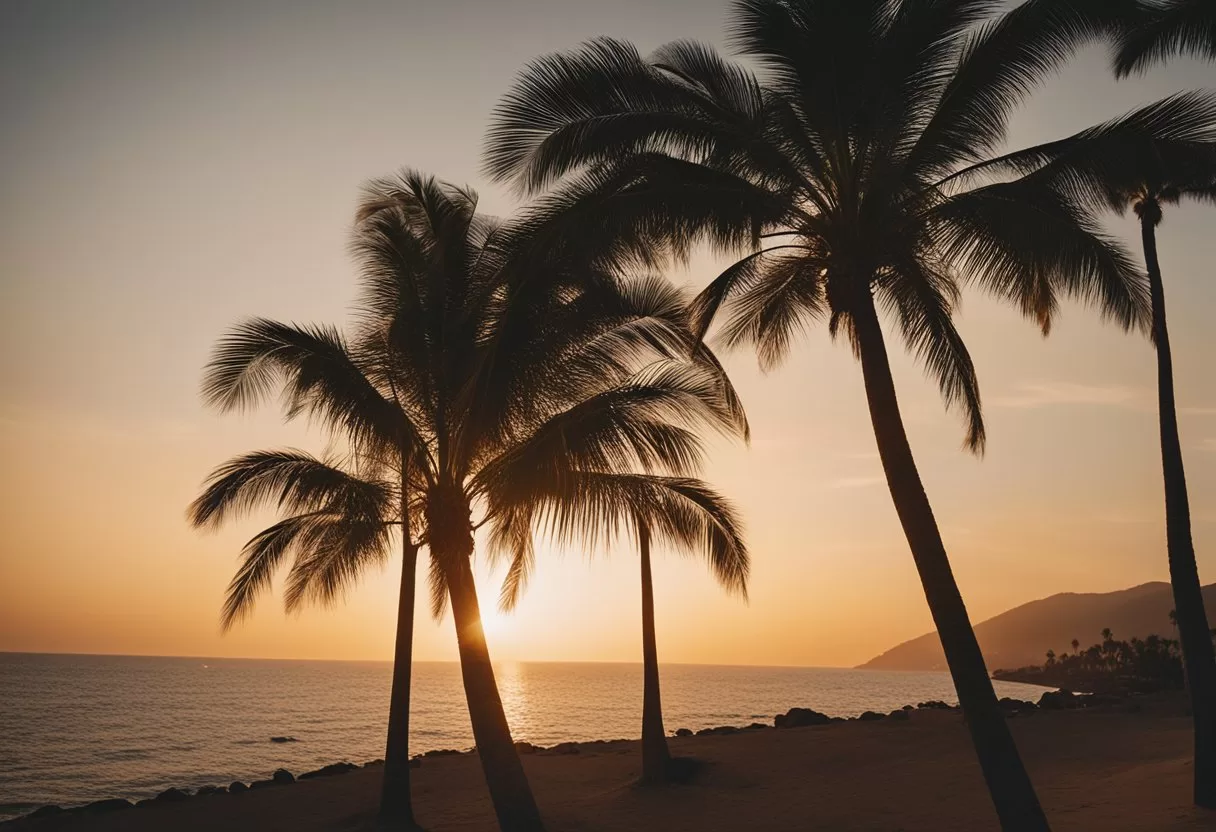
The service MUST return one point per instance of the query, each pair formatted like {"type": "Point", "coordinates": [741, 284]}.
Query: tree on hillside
{"type": "Point", "coordinates": [827, 179]}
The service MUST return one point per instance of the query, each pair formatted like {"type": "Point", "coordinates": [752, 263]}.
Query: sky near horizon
{"type": "Point", "coordinates": [168, 168]}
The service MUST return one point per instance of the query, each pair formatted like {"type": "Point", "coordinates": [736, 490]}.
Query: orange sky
{"type": "Point", "coordinates": [168, 168]}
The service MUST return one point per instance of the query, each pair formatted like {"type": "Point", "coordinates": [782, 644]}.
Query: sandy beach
{"type": "Point", "coordinates": [1095, 770]}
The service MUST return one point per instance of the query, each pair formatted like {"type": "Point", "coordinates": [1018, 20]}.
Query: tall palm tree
{"type": "Point", "coordinates": [679, 511]}
{"type": "Point", "coordinates": [827, 176]}
{"type": "Point", "coordinates": [1159, 29]}
{"type": "Point", "coordinates": [1153, 157]}
{"type": "Point", "coordinates": [494, 371]}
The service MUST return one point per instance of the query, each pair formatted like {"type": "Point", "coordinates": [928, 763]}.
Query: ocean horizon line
{"type": "Point", "coordinates": [73, 653]}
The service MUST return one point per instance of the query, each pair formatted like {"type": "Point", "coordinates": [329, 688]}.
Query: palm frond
{"type": "Point", "coordinates": [786, 294]}
{"type": "Point", "coordinates": [1160, 30]}
{"type": "Point", "coordinates": [591, 507]}
{"type": "Point", "coordinates": [260, 558]}
{"type": "Point", "coordinates": [598, 105]}
{"type": "Point", "coordinates": [437, 586]}
{"type": "Point", "coordinates": [511, 539]}
{"type": "Point", "coordinates": [1026, 243]}
{"type": "Point", "coordinates": [316, 370]}
{"type": "Point", "coordinates": [290, 480]}
{"type": "Point", "coordinates": [336, 553]}
{"type": "Point", "coordinates": [923, 302]}
{"type": "Point", "coordinates": [1171, 142]}
{"type": "Point", "coordinates": [998, 67]}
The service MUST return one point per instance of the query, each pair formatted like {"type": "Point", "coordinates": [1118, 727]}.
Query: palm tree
{"type": "Point", "coordinates": [829, 177]}
{"type": "Point", "coordinates": [502, 379]}
{"type": "Point", "coordinates": [1153, 157]}
{"type": "Point", "coordinates": [338, 523]}
{"type": "Point", "coordinates": [1159, 29]}
{"type": "Point", "coordinates": [680, 511]}
{"type": "Point", "coordinates": [688, 514]}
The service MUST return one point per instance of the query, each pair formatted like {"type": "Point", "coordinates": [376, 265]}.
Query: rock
{"type": "Point", "coordinates": [870, 716]}
{"type": "Point", "coordinates": [172, 796]}
{"type": "Point", "coordinates": [799, 718]}
{"type": "Point", "coordinates": [1059, 700]}
{"type": "Point", "coordinates": [329, 770]}
{"type": "Point", "coordinates": [908, 708]}
{"type": "Point", "coordinates": [374, 763]}
{"type": "Point", "coordinates": [415, 762]}
{"type": "Point", "coordinates": [203, 791]}
{"type": "Point", "coordinates": [526, 747]}
{"type": "Point", "coordinates": [901, 714]}
{"type": "Point", "coordinates": [756, 726]}
{"type": "Point", "coordinates": [236, 787]}
{"type": "Point", "coordinates": [721, 729]}
{"type": "Point", "coordinates": [1015, 705]}
{"type": "Point", "coordinates": [565, 748]}
{"type": "Point", "coordinates": [935, 705]}
{"type": "Point", "coordinates": [147, 801]}
{"type": "Point", "coordinates": [683, 732]}
{"type": "Point", "coordinates": [45, 811]}
{"type": "Point", "coordinates": [98, 807]}
{"type": "Point", "coordinates": [283, 739]}
{"type": "Point", "coordinates": [282, 776]}
{"type": "Point", "coordinates": [442, 752]}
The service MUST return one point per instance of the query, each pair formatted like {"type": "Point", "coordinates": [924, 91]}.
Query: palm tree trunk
{"type": "Point", "coordinates": [509, 789]}
{"type": "Point", "coordinates": [396, 806]}
{"type": "Point", "coordinates": [1013, 795]}
{"type": "Point", "coordinates": [1199, 660]}
{"type": "Point", "coordinates": [656, 758]}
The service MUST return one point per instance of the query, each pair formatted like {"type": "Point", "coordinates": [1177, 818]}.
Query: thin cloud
{"type": "Point", "coordinates": [1037, 394]}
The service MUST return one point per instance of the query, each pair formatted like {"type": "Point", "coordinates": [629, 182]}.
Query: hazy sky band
{"type": "Point", "coordinates": [169, 168]}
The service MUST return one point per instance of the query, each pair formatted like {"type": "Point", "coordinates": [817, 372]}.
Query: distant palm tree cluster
{"type": "Point", "coordinates": [1109, 666]}
{"type": "Point", "coordinates": [534, 375]}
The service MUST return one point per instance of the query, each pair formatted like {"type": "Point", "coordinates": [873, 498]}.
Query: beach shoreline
{"type": "Point", "coordinates": [1118, 766]}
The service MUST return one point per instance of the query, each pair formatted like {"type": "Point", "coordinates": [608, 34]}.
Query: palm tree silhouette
{"type": "Point", "coordinates": [1159, 29]}
{"type": "Point", "coordinates": [830, 173]}
{"type": "Point", "coordinates": [1153, 157]}
{"type": "Point", "coordinates": [679, 511]}
{"type": "Point", "coordinates": [688, 514]}
{"type": "Point", "coordinates": [339, 523]}
{"type": "Point", "coordinates": [503, 381]}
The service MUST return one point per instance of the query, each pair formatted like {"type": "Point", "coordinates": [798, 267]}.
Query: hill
{"type": "Point", "coordinates": [1020, 636]}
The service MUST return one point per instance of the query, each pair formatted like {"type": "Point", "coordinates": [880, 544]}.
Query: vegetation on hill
{"type": "Point", "coordinates": [1111, 666]}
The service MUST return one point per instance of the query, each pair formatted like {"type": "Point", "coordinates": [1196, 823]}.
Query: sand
{"type": "Point", "coordinates": [1094, 771]}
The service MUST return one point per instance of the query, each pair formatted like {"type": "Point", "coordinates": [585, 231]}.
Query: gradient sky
{"type": "Point", "coordinates": [169, 167]}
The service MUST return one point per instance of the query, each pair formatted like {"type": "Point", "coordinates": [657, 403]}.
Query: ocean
{"type": "Point", "coordinates": [80, 728]}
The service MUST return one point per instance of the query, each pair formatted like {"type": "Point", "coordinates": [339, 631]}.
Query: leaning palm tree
{"type": "Point", "coordinates": [1159, 29]}
{"type": "Point", "coordinates": [682, 512]}
{"type": "Point", "coordinates": [1153, 157]}
{"type": "Point", "coordinates": [340, 521]}
{"type": "Point", "coordinates": [825, 178]}
{"type": "Point", "coordinates": [487, 365]}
